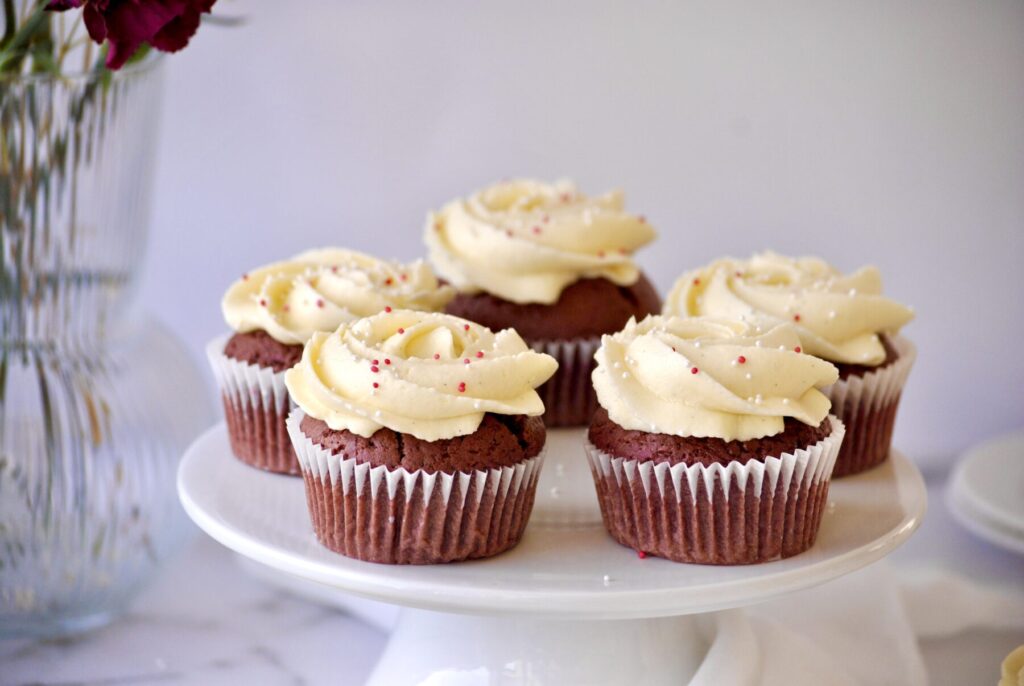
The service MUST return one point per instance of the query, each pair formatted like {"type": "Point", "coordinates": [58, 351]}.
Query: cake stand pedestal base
{"type": "Point", "coordinates": [467, 650]}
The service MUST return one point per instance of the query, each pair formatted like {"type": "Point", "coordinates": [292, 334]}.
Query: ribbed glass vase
{"type": "Point", "coordinates": [97, 401]}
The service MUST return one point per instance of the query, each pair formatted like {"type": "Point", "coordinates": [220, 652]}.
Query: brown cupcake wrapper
{"type": "Point", "coordinates": [256, 406]}
{"type": "Point", "coordinates": [413, 517]}
{"type": "Point", "coordinates": [729, 514]}
{"type": "Point", "coordinates": [867, 405]}
{"type": "Point", "coordinates": [569, 397]}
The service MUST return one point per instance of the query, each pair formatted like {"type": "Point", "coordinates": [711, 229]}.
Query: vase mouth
{"type": "Point", "coordinates": [144, 66]}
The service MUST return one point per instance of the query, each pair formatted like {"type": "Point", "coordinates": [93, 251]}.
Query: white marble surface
{"type": "Point", "coordinates": [206, 622]}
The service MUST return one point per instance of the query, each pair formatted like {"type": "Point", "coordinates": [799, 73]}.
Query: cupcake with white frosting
{"type": "Point", "coordinates": [419, 436]}
{"type": "Point", "coordinates": [554, 264]}
{"type": "Point", "coordinates": [842, 318]}
{"type": "Point", "coordinates": [713, 443]}
{"type": "Point", "coordinates": [274, 310]}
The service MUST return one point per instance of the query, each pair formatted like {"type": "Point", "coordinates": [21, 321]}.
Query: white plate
{"type": "Point", "coordinates": [569, 572]}
{"type": "Point", "coordinates": [986, 491]}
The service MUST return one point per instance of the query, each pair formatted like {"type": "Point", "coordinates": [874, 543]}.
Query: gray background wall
{"type": "Point", "coordinates": [865, 132]}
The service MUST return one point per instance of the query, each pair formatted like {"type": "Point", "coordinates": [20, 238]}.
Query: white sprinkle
{"type": "Point", "coordinates": [696, 344]}
{"type": "Point", "coordinates": [785, 401]}
{"type": "Point", "coordinates": [616, 365]}
{"type": "Point", "coordinates": [560, 469]}
{"type": "Point", "coordinates": [832, 314]}
{"type": "Point", "coordinates": [630, 360]}
{"type": "Point", "coordinates": [853, 292]}
{"type": "Point", "coordinates": [758, 399]}
{"type": "Point", "coordinates": [625, 375]}
{"type": "Point", "coordinates": [734, 363]}
{"type": "Point", "coordinates": [607, 580]}
{"type": "Point", "coordinates": [555, 492]}
{"type": "Point", "coordinates": [758, 329]}
{"type": "Point", "coordinates": [377, 413]}
{"type": "Point", "coordinates": [749, 376]}
{"type": "Point", "coordinates": [758, 344]}
{"type": "Point", "coordinates": [391, 519]}
{"type": "Point", "coordinates": [782, 348]}
{"type": "Point", "coordinates": [750, 398]}
{"type": "Point", "coordinates": [476, 404]}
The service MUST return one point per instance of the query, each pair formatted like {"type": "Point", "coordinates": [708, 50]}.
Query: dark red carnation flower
{"type": "Point", "coordinates": [167, 25]}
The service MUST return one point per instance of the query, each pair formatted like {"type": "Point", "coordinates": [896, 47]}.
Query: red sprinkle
{"type": "Point", "coordinates": [694, 370]}
{"type": "Point", "coordinates": [600, 253]}
{"type": "Point", "coordinates": [387, 308]}
{"type": "Point", "coordinates": [334, 268]}
{"type": "Point", "coordinates": [566, 197]}
{"type": "Point", "coordinates": [437, 226]}
{"type": "Point", "coordinates": [437, 356]}
{"type": "Point", "coordinates": [263, 302]}
{"type": "Point", "coordinates": [466, 327]}
{"type": "Point", "coordinates": [696, 282]}
{"type": "Point", "coordinates": [797, 349]}
{"type": "Point", "coordinates": [466, 361]}
{"type": "Point", "coordinates": [479, 353]}
{"type": "Point", "coordinates": [374, 369]}
{"type": "Point", "coordinates": [641, 554]}
{"type": "Point", "coordinates": [319, 302]}
{"type": "Point", "coordinates": [376, 362]}
{"type": "Point", "coordinates": [796, 317]}
{"type": "Point", "coordinates": [462, 387]}
{"type": "Point", "coordinates": [536, 229]}
{"type": "Point", "coordinates": [401, 330]}
{"type": "Point", "coordinates": [545, 218]}
{"type": "Point", "coordinates": [404, 277]}
{"type": "Point", "coordinates": [741, 359]}
{"type": "Point", "coordinates": [287, 308]}
{"type": "Point", "coordinates": [388, 281]}
{"type": "Point", "coordinates": [376, 385]}
{"type": "Point", "coordinates": [387, 360]}
{"type": "Point", "coordinates": [245, 277]}
{"type": "Point", "coordinates": [509, 232]}
{"type": "Point", "coordinates": [623, 251]}
{"type": "Point", "coordinates": [643, 219]}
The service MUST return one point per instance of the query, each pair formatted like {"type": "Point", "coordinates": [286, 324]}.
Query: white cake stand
{"type": "Point", "coordinates": [568, 605]}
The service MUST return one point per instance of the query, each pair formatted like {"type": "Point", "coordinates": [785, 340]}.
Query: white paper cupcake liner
{"type": "Point", "coordinates": [256, 406]}
{"type": "Point", "coordinates": [732, 513]}
{"type": "Point", "coordinates": [569, 398]}
{"type": "Point", "coordinates": [399, 516]}
{"type": "Point", "coordinates": [867, 405]}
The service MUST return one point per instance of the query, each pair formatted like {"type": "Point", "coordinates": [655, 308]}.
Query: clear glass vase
{"type": "Point", "coordinates": [97, 402]}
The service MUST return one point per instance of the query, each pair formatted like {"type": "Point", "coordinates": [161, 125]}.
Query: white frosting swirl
{"type": "Point", "coordinates": [837, 316]}
{"type": "Point", "coordinates": [704, 376]}
{"type": "Point", "coordinates": [525, 241]}
{"type": "Point", "coordinates": [430, 375]}
{"type": "Point", "coordinates": [320, 289]}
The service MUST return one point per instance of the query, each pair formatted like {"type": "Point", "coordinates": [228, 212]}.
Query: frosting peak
{"type": "Point", "coordinates": [705, 377]}
{"type": "Point", "coordinates": [320, 289]}
{"type": "Point", "coordinates": [837, 316]}
{"type": "Point", "coordinates": [525, 241]}
{"type": "Point", "coordinates": [430, 375]}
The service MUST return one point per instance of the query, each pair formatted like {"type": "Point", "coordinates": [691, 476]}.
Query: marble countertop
{"type": "Point", "coordinates": [206, 621]}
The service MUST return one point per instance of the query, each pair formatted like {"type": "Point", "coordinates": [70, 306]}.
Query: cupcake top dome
{"type": "Point", "coordinates": [525, 241]}
{"type": "Point", "coordinates": [709, 377]}
{"type": "Point", "coordinates": [838, 317]}
{"type": "Point", "coordinates": [430, 375]}
{"type": "Point", "coordinates": [320, 289]}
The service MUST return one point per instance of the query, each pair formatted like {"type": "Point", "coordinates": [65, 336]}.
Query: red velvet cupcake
{"type": "Point", "coordinates": [713, 444]}
{"type": "Point", "coordinates": [273, 311]}
{"type": "Point", "coordinates": [844, 319]}
{"type": "Point", "coordinates": [552, 263]}
{"type": "Point", "coordinates": [419, 437]}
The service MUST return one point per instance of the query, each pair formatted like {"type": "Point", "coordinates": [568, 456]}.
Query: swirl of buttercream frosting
{"type": "Point", "coordinates": [838, 317]}
{"type": "Point", "coordinates": [430, 375]}
{"type": "Point", "coordinates": [709, 377]}
{"type": "Point", "coordinates": [525, 241]}
{"type": "Point", "coordinates": [319, 289]}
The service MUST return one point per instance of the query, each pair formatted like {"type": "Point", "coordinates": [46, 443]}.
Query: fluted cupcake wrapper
{"type": "Point", "coordinates": [718, 514]}
{"type": "Point", "coordinates": [256, 406]}
{"type": "Point", "coordinates": [569, 398]}
{"type": "Point", "coordinates": [867, 405]}
{"type": "Point", "coordinates": [413, 517]}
